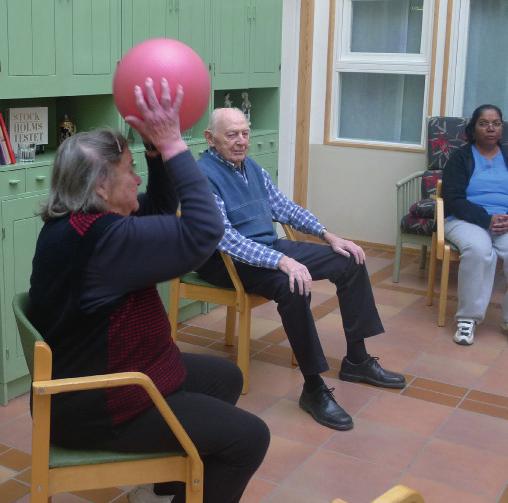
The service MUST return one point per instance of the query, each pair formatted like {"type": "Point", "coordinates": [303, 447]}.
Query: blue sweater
{"type": "Point", "coordinates": [247, 204]}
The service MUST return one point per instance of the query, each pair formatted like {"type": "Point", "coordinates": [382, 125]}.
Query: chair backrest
{"type": "Point", "coordinates": [27, 332]}
{"type": "Point", "coordinates": [446, 134]}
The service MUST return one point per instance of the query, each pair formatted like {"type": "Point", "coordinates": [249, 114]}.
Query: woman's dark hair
{"type": "Point", "coordinates": [475, 117]}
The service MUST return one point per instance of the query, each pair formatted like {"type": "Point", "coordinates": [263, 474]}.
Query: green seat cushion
{"type": "Point", "coordinates": [193, 278]}
{"type": "Point", "coordinates": [60, 457]}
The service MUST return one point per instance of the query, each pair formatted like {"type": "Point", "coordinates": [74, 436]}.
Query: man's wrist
{"type": "Point", "coordinates": [322, 233]}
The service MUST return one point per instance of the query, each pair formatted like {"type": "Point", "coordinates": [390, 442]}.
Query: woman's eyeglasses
{"type": "Point", "coordinates": [493, 124]}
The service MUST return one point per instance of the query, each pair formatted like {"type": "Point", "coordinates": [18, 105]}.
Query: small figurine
{"type": "Point", "coordinates": [246, 105]}
{"type": "Point", "coordinates": [228, 103]}
{"type": "Point", "coordinates": [66, 128]}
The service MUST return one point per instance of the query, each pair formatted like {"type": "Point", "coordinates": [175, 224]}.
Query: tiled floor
{"type": "Point", "coordinates": [445, 435]}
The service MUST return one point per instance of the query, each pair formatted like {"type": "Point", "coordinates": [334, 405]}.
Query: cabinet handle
{"type": "Point", "coordinates": [134, 163]}
{"type": "Point", "coordinates": [177, 5]}
{"type": "Point", "coordinates": [272, 142]}
{"type": "Point", "coordinates": [253, 17]}
{"type": "Point", "coordinates": [170, 5]}
{"type": "Point", "coordinates": [248, 13]}
{"type": "Point", "coordinates": [40, 178]}
{"type": "Point", "coordinates": [14, 182]}
{"type": "Point", "coordinates": [260, 144]}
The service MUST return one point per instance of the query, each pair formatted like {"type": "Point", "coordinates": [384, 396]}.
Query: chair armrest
{"type": "Point", "coordinates": [230, 266]}
{"type": "Point", "coordinates": [408, 192]}
{"type": "Point", "coordinates": [409, 178]}
{"type": "Point", "coordinates": [289, 231]}
{"type": "Point", "coordinates": [55, 386]}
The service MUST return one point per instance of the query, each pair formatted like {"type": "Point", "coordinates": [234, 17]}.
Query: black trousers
{"type": "Point", "coordinates": [232, 442]}
{"type": "Point", "coordinates": [360, 318]}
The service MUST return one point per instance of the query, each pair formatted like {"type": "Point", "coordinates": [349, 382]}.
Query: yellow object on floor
{"type": "Point", "coordinates": [397, 494]}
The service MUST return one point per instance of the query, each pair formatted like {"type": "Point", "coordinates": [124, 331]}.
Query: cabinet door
{"type": "Point", "coordinates": [231, 24]}
{"type": "Point", "coordinates": [20, 227]}
{"type": "Point", "coordinates": [89, 44]}
{"type": "Point", "coordinates": [265, 43]}
{"type": "Point", "coordinates": [28, 66]}
{"type": "Point", "coordinates": [195, 26]}
{"type": "Point", "coordinates": [145, 19]}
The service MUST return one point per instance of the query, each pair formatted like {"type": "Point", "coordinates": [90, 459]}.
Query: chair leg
{"type": "Point", "coordinates": [174, 301]}
{"type": "Point", "coordinates": [423, 257]}
{"type": "Point", "coordinates": [230, 325]}
{"type": "Point", "coordinates": [443, 294]}
{"type": "Point", "coordinates": [193, 496]}
{"type": "Point", "coordinates": [244, 345]}
{"type": "Point", "coordinates": [398, 255]}
{"type": "Point", "coordinates": [432, 270]}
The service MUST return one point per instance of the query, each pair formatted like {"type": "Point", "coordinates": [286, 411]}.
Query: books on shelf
{"type": "Point", "coordinates": [28, 126]}
{"type": "Point", "coordinates": [7, 153]}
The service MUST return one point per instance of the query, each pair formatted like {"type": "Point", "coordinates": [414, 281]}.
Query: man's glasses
{"type": "Point", "coordinates": [493, 124]}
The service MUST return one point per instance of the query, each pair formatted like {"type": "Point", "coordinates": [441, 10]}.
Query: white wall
{"type": "Point", "coordinates": [352, 190]}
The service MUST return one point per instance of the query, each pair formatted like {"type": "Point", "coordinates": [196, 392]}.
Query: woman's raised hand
{"type": "Point", "coordinates": [160, 122]}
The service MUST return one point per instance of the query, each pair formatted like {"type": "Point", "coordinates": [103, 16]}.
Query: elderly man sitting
{"type": "Point", "coordinates": [283, 270]}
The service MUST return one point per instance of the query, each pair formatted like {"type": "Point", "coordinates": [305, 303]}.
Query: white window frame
{"type": "Point", "coordinates": [390, 63]}
{"type": "Point", "coordinates": [459, 39]}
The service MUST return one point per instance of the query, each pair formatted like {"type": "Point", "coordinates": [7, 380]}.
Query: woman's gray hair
{"type": "Point", "coordinates": [81, 163]}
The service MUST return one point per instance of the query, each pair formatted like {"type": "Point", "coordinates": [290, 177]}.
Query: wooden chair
{"type": "Point", "coordinates": [397, 494]}
{"type": "Point", "coordinates": [57, 470]}
{"type": "Point", "coordinates": [191, 286]}
{"type": "Point", "coordinates": [440, 250]}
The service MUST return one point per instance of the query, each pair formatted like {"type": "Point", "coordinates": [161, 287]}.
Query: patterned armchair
{"type": "Point", "coordinates": [415, 205]}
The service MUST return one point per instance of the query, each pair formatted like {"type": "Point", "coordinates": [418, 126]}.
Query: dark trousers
{"type": "Point", "coordinates": [232, 442]}
{"type": "Point", "coordinates": [360, 318]}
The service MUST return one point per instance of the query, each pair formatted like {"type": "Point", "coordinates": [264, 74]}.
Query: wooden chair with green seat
{"type": "Point", "coordinates": [191, 286]}
{"type": "Point", "coordinates": [58, 470]}
{"type": "Point", "coordinates": [397, 494]}
{"type": "Point", "coordinates": [440, 250]}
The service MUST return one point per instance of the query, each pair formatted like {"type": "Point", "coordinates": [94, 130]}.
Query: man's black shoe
{"type": "Point", "coordinates": [370, 372]}
{"type": "Point", "coordinates": [321, 405]}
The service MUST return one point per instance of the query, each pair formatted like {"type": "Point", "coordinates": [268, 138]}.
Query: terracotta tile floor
{"type": "Point", "coordinates": [445, 435]}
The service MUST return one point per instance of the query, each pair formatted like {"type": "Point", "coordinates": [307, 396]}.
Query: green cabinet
{"type": "Point", "coordinates": [247, 40]}
{"type": "Point", "coordinates": [20, 227]}
{"type": "Point", "coordinates": [185, 20]}
{"type": "Point", "coordinates": [62, 54]}
{"type": "Point", "coordinates": [58, 47]}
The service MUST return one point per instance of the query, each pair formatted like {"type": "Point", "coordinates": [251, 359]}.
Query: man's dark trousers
{"type": "Point", "coordinates": [360, 318]}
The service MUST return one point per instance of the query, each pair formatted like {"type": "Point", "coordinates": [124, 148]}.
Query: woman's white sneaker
{"type": "Point", "coordinates": [465, 332]}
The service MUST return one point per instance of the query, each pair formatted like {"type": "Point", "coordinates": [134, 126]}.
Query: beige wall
{"type": "Point", "coordinates": [352, 190]}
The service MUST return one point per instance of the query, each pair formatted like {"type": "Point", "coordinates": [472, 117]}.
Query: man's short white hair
{"type": "Point", "coordinates": [216, 117]}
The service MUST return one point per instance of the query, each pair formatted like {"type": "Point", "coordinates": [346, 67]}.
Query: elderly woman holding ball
{"type": "Point", "coordinates": [99, 255]}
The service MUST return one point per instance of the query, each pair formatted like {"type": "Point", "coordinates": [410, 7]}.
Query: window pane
{"type": "Point", "coordinates": [486, 74]}
{"type": "Point", "coordinates": [381, 107]}
{"type": "Point", "coordinates": [386, 26]}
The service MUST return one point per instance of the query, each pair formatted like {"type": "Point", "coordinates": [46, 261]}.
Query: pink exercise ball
{"type": "Point", "coordinates": [157, 58]}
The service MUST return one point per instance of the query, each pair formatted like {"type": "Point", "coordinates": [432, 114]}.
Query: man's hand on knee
{"type": "Point", "coordinates": [296, 272]}
{"type": "Point", "coordinates": [345, 247]}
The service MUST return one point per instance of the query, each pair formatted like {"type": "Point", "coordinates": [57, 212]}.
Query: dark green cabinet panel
{"type": "Point", "coordinates": [231, 28]}
{"type": "Point", "coordinates": [20, 227]}
{"type": "Point", "coordinates": [265, 43]}
{"type": "Point", "coordinates": [58, 47]}
{"type": "Point", "coordinates": [247, 38]}
{"type": "Point", "coordinates": [28, 46]}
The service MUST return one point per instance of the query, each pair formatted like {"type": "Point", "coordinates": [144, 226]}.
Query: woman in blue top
{"type": "Point", "coordinates": [475, 193]}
